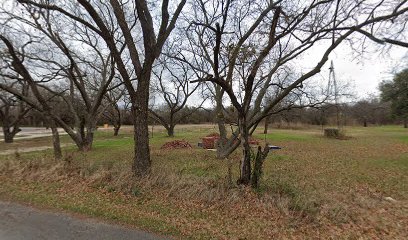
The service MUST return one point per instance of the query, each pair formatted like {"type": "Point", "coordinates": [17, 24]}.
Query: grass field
{"type": "Point", "coordinates": [312, 188]}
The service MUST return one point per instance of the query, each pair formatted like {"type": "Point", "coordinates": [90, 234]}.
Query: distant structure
{"type": "Point", "coordinates": [332, 89]}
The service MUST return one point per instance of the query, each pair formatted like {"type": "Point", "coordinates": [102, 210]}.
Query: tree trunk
{"type": "Point", "coordinates": [141, 163]}
{"type": "Point", "coordinates": [116, 130]}
{"type": "Point", "coordinates": [222, 143]}
{"type": "Point", "coordinates": [85, 140]}
{"type": "Point", "coordinates": [56, 141]}
{"type": "Point", "coordinates": [82, 128]}
{"type": "Point", "coordinates": [84, 146]}
{"type": "Point", "coordinates": [227, 149]}
{"type": "Point", "coordinates": [118, 124]}
{"type": "Point", "coordinates": [170, 131]}
{"type": "Point", "coordinates": [89, 138]}
{"type": "Point", "coordinates": [266, 125]}
{"type": "Point", "coordinates": [245, 174]}
{"type": "Point", "coordinates": [77, 134]}
{"type": "Point", "coordinates": [405, 122]}
{"type": "Point", "coordinates": [8, 137]}
{"type": "Point", "coordinates": [222, 146]}
{"type": "Point", "coordinates": [259, 160]}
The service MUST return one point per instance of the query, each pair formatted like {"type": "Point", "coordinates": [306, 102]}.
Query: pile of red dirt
{"type": "Point", "coordinates": [176, 144]}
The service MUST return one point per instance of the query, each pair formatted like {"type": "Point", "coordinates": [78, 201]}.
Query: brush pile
{"type": "Point", "coordinates": [176, 144]}
{"type": "Point", "coordinates": [209, 141]}
{"type": "Point", "coordinates": [214, 135]}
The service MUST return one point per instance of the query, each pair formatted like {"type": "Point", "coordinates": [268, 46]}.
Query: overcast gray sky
{"type": "Point", "coordinates": [367, 71]}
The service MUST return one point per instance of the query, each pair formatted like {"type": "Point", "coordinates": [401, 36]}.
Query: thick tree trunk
{"type": "Point", "coordinates": [8, 137]}
{"type": "Point", "coordinates": [56, 142]}
{"type": "Point", "coordinates": [405, 122]}
{"type": "Point", "coordinates": [85, 139]}
{"type": "Point", "coordinates": [141, 163]}
{"type": "Point", "coordinates": [8, 134]}
{"type": "Point", "coordinates": [245, 174]}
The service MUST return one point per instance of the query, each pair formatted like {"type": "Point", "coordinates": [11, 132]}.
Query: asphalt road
{"type": "Point", "coordinates": [18, 222]}
{"type": "Point", "coordinates": [33, 132]}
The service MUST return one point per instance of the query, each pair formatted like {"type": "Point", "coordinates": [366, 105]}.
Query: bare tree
{"type": "Point", "coordinates": [171, 83]}
{"type": "Point", "coordinates": [369, 111]}
{"type": "Point", "coordinates": [12, 112]}
{"type": "Point", "coordinates": [131, 17]}
{"type": "Point", "coordinates": [264, 37]}
{"type": "Point", "coordinates": [117, 101]}
{"type": "Point", "coordinates": [53, 63]}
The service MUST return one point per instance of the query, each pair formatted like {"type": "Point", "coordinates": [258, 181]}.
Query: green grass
{"type": "Point", "coordinates": [313, 185]}
{"type": "Point", "coordinates": [404, 138]}
{"type": "Point", "coordinates": [114, 143]}
{"type": "Point", "coordinates": [284, 135]}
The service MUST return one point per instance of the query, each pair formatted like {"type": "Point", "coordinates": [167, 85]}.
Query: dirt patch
{"type": "Point", "coordinates": [176, 144]}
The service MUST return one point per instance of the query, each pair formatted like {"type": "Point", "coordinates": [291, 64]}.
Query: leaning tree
{"type": "Point", "coordinates": [248, 43]}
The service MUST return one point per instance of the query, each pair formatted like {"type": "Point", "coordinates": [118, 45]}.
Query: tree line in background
{"type": "Point", "coordinates": [366, 112]}
{"type": "Point", "coordinates": [76, 63]}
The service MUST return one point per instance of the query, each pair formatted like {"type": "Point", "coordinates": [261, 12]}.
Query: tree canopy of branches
{"type": "Point", "coordinates": [116, 103]}
{"type": "Point", "coordinates": [245, 52]}
{"type": "Point", "coordinates": [128, 31]}
{"type": "Point", "coordinates": [12, 112]}
{"type": "Point", "coordinates": [248, 44]}
{"type": "Point", "coordinates": [72, 70]}
{"type": "Point", "coordinates": [396, 92]}
{"type": "Point", "coordinates": [171, 84]}
{"type": "Point", "coordinates": [370, 111]}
